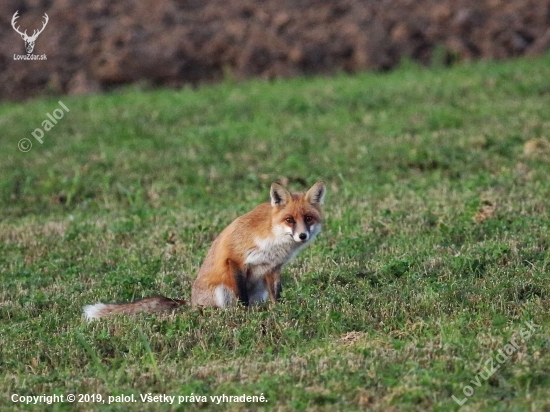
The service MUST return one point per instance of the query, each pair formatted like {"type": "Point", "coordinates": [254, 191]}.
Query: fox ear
{"type": "Point", "coordinates": [316, 195]}
{"type": "Point", "coordinates": [279, 195]}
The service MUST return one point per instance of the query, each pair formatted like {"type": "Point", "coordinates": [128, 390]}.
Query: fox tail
{"type": "Point", "coordinates": [155, 304]}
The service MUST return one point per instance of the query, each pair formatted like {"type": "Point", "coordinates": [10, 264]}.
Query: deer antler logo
{"type": "Point", "coordinates": [29, 40]}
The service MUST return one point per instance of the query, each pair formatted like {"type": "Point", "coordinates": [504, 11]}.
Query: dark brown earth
{"type": "Point", "coordinates": [97, 44]}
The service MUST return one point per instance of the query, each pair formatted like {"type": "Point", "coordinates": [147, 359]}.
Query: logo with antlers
{"type": "Point", "coordinates": [29, 40]}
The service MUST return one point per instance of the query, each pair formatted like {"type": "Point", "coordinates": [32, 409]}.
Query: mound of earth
{"type": "Point", "coordinates": [98, 44]}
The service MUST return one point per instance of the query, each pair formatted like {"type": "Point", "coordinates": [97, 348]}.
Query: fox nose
{"type": "Point", "coordinates": [303, 236]}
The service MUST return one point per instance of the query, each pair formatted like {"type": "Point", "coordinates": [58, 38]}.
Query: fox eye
{"type": "Point", "coordinates": [308, 219]}
{"type": "Point", "coordinates": [290, 220]}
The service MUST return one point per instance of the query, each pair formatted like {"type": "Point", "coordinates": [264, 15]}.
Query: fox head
{"type": "Point", "coordinates": [298, 215]}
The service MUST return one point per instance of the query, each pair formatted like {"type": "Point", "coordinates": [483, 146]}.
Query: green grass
{"type": "Point", "coordinates": [434, 252]}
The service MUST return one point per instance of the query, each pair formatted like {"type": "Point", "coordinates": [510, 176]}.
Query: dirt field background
{"type": "Point", "coordinates": [96, 45]}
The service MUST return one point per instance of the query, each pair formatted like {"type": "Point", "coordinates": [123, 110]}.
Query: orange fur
{"type": "Point", "coordinates": [245, 260]}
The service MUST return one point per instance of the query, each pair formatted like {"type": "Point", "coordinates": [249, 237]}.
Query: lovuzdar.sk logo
{"type": "Point", "coordinates": [29, 40]}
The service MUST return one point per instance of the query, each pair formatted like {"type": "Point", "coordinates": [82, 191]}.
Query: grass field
{"type": "Point", "coordinates": [434, 254]}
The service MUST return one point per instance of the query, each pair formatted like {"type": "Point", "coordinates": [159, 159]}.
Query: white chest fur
{"type": "Point", "coordinates": [269, 254]}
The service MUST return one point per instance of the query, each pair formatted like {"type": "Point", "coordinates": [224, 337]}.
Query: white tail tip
{"type": "Point", "coordinates": [92, 312]}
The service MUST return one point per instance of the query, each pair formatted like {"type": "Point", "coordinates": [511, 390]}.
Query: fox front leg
{"type": "Point", "coordinates": [239, 277]}
{"type": "Point", "coordinates": [273, 285]}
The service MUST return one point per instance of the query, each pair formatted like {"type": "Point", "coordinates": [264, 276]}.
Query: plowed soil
{"type": "Point", "coordinates": [98, 44]}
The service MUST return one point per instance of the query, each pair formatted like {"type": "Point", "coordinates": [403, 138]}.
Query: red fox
{"type": "Point", "coordinates": [244, 262]}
